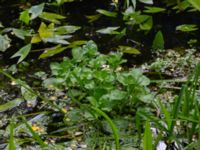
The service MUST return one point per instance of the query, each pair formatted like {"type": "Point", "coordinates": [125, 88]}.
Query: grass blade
{"type": "Point", "coordinates": [147, 140]}
{"type": "Point", "coordinates": [11, 145]}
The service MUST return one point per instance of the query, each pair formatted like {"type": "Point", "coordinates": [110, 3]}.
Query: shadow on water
{"type": "Point", "coordinates": [76, 13]}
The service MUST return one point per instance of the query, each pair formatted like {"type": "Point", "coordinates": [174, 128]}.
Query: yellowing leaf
{"type": "Point", "coordinates": [36, 39]}
{"type": "Point", "coordinates": [44, 31]}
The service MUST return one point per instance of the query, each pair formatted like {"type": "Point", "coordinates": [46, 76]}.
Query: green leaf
{"type": "Point", "coordinates": [153, 9]}
{"type": "Point", "coordinates": [46, 31]}
{"type": "Point", "coordinates": [21, 33]}
{"type": "Point", "coordinates": [147, 140]}
{"type": "Point", "coordinates": [66, 29]}
{"type": "Point", "coordinates": [108, 30]}
{"type": "Point", "coordinates": [52, 17]}
{"type": "Point", "coordinates": [24, 17]}
{"type": "Point", "coordinates": [4, 43]}
{"type": "Point", "coordinates": [158, 42]}
{"type": "Point", "coordinates": [52, 51]}
{"type": "Point", "coordinates": [195, 4]}
{"type": "Point", "coordinates": [93, 18]}
{"type": "Point", "coordinates": [11, 145]}
{"type": "Point", "coordinates": [107, 13]}
{"type": "Point", "coordinates": [36, 10]}
{"type": "Point", "coordinates": [187, 27]}
{"type": "Point", "coordinates": [128, 49]}
{"type": "Point", "coordinates": [167, 115]}
{"type": "Point", "coordinates": [22, 53]}
{"type": "Point", "coordinates": [147, 24]}
{"type": "Point", "coordinates": [11, 104]}
{"type": "Point", "coordinates": [146, 1]}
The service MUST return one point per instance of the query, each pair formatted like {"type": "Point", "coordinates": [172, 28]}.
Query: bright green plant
{"type": "Point", "coordinates": [97, 79]}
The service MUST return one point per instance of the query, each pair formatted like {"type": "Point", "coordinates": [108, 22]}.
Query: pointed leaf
{"type": "Point", "coordinates": [147, 140]}
{"type": "Point", "coordinates": [24, 17]}
{"type": "Point", "coordinates": [22, 53]}
{"type": "Point", "coordinates": [128, 49]}
{"type": "Point", "coordinates": [4, 43]}
{"type": "Point", "coordinates": [158, 42]}
{"type": "Point", "coordinates": [11, 104]}
{"type": "Point", "coordinates": [36, 10]}
{"type": "Point", "coordinates": [52, 17]}
{"type": "Point", "coordinates": [107, 13]}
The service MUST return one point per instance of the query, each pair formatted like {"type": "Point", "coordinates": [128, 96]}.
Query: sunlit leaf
{"type": "Point", "coordinates": [11, 104]}
{"type": "Point", "coordinates": [52, 51]}
{"type": "Point", "coordinates": [36, 10]}
{"type": "Point", "coordinates": [195, 4]}
{"type": "Point", "coordinates": [52, 17]}
{"type": "Point", "coordinates": [58, 39]}
{"type": "Point", "coordinates": [22, 53]}
{"type": "Point", "coordinates": [46, 31]}
{"type": "Point", "coordinates": [4, 43]}
{"type": "Point", "coordinates": [24, 17]}
{"type": "Point", "coordinates": [147, 1]}
{"type": "Point", "coordinates": [154, 9]}
{"type": "Point", "coordinates": [107, 13]}
{"type": "Point", "coordinates": [36, 39]}
{"type": "Point", "coordinates": [128, 49]}
{"type": "Point", "coordinates": [66, 29]}
{"type": "Point", "coordinates": [187, 27]}
{"type": "Point", "coordinates": [108, 30]}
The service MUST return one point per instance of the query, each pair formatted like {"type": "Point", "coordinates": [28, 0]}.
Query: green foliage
{"type": "Point", "coordinates": [158, 42]}
{"type": "Point", "coordinates": [187, 27]}
{"type": "Point", "coordinates": [96, 77]}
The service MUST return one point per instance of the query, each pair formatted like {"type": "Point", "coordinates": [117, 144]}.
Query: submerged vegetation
{"type": "Point", "coordinates": [103, 75]}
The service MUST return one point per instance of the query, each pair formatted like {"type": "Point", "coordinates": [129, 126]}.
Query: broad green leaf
{"type": "Point", "coordinates": [21, 33]}
{"type": "Point", "coordinates": [195, 4]}
{"type": "Point", "coordinates": [11, 104]}
{"type": "Point", "coordinates": [22, 53]}
{"type": "Point", "coordinates": [158, 42]}
{"type": "Point", "coordinates": [128, 49]}
{"type": "Point", "coordinates": [36, 10]}
{"type": "Point", "coordinates": [107, 13]}
{"type": "Point", "coordinates": [153, 9]}
{"type": "Point", "coordinates": [52, 17]}
{"type": "Point", "coordinates": [4, 43]}
{"type": "Point", "coordinates": [52, 51]}
{"type": "Point", "coordinates": [46, 31]}
{"type": "Point", "coordinates": [24, 17]}
{"type": "Point", "coordinates": [147, 140]}
{"type": "Point", "coordinates": [187, 27]}
{"type": "Point", "coordinates": [117, 95]}
{"type": "Point", "coordinates": [146, 1]}
{"type": "Point", "coordinates": [108, 30]}
{"type": "Point", "coordinates": [147, 24]}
